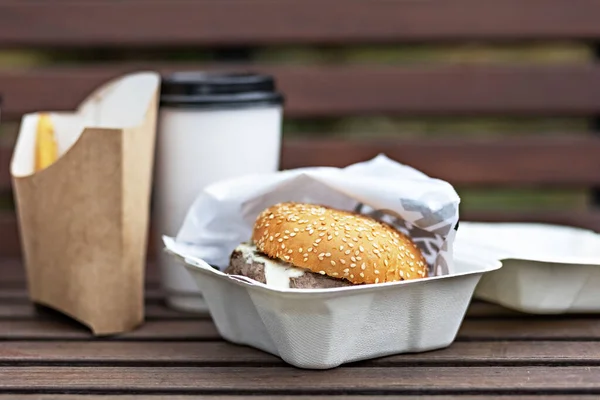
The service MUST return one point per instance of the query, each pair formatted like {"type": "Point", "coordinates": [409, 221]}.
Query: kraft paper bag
{"type": "Point", "coordinates": [84, 219]}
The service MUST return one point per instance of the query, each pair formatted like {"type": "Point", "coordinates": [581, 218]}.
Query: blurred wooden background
{"type": "Point", "coordinates": [500, 98]}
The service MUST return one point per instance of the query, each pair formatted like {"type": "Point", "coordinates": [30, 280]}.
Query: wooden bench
{"type": "Point", "coordinates": [497, 352]}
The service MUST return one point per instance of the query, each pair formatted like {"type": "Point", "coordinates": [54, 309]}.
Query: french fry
{"type": "Point", "coordinates": [46, 150]}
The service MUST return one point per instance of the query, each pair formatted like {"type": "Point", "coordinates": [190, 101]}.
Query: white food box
{"type": "Point", "coordinates": [324, 328]}
{"type": "Point", "coordinates": [546, 269]}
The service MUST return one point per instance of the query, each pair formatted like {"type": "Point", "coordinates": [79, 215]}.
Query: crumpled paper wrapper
{"type": "Point", "coordinates": [424, 208]}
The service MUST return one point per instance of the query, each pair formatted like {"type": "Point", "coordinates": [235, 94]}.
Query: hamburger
{"type": "Point", "coordinates": [297, 245]}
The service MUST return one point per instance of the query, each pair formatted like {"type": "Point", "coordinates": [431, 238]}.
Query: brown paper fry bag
{"type": "Point", "coordinates": [84, 218]}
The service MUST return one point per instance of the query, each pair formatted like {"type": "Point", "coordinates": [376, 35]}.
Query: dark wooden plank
{"type": "Point", "coordinates": [279, 397]}
{"type": "Point", "coordinates": [330, 91]}
{"type": "Point", "coordinates": [215, 353]}
{"type": "Point", "coordinates": [497, 161]}
{"type": "Point", "coordinates": [472, 329]}
{"type": "Point", "coordinates": [205, 22]}
{"type": "Point", "coordinates": [484, 309]}
{"type": "Point", "coordinates": [516, 380]}
{"type": "Point", "coordinates": [62, 328]}
{"type": "Point", "coordinates": [157, 310]}
{"type": "Point", "coordinates": [153, 311]}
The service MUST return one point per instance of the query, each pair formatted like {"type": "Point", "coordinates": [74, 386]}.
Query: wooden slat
{"type": "Point", "coordinates": [113, 396]}
{"type": "Point", "coordinates": [330, 91]}
{"type": "Point", "coordinates": [172, 353]}
{"type": "Point", "coordinates": [282, 397]}
{"type": "Point", "coordinates": [152, 310]}
{"type": "Point", "coordinates": [205, 22]}
{"type": "Point", "coordinates": [156, 311]}
{"type": "Point", "coordinates": [282, 379]}
{"type": "Point", "coordinates": [497, 161]}
{"type": "Point", "coordinates": [64, 329]}
{"type": "Point", "coordinates": [472, 329]}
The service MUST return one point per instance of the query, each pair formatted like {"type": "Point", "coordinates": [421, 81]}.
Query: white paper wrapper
{"type": "Point", "coordinates": [547, 269]}
{"type": "Point", "coordinates": [424, 208]}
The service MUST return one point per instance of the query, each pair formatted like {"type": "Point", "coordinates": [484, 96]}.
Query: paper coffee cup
{"type": "Point", "coordinates": [211, 127]}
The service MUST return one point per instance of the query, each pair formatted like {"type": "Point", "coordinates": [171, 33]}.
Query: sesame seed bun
{"type": "Point", "coordinates": [337, 243]}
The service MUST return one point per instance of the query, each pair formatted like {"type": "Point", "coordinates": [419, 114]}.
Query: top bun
{"type": "Point", "coordinates": [337, 243]}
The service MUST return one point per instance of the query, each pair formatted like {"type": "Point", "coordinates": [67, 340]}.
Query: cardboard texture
{"type": "Point", "coordinates": [546, 269]}
{"type": "Point", "coordinates": [84, 219]}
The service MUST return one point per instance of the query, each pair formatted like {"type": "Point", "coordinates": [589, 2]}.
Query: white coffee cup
{"type": "Point", "coordinates": [211, 127]}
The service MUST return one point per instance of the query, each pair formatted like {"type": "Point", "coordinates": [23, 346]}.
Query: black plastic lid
{"type": "Point", "coordinates": [218, 90]}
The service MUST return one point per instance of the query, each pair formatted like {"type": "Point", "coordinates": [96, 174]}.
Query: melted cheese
{"type": "Point", "coordinates": [277, 273]}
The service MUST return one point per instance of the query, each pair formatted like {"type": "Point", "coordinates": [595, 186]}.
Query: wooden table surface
{"type": "Point", "coordinates": [178, 355]}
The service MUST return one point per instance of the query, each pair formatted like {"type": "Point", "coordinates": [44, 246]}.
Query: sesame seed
{"type": "Point", "coordinates": [336, 233]}
{"type": "Point", "coordinates": [286, 257]}
{"type": "Point", "coordinates": [412, 269]}
{"type": "Point", "coordinates": [358, 258]}
{"type": "Point", "coordinates": [350, 244]}
{"type": "Point", "coordinates": [318, 241]}
{"type": "Point", "coordinates": [386, 262]}
{"type": "Point", "coordinates": [329, 237]}
{"type": "Point", "coordinates": [343, 261]}
{"type": "Point", "coordinates": [356, 253]}
{"type": "Point", "coordinates": [270, 238]}
{"type": "Point", "coordinates": [344, 240]}
{"type": "Point", "coordinates": [402, 273]}
{"type": "Point", "coordinates": [351, 276]}
{"type": "Point", "coordinates": [305, 255]}
{"type": "Point", "coordinates": [327, 254]}
{"type": "Point", "coordinates": [355, 239]}
{"type": "Point", "coordinates": [305, 259]}
{"type": "Point", "coordinates": [362, 249]}
{"type": "Point", "coordinates": [346, 270]}
{"type": "Point", "coordinates": [300, 250]}
{"type": "Point", "coordinates": [277, 234]}
{"type": "Point", "coordinates": [286, 237]}
{"type": "Point", "coordinates": [321, 255]}
{"type": "Point", "coordinates": [322, 234]}
{"type": "Point", "coordinates": [333, 263]}
{"type": "Point", "coordinates": [309, 249]}
{"type": "Point", "coordinates": [353, 258]}
{"type": "Point", "coordinates": [296, 230]}
{"type": "Point", "coordinates": [347, 252]}
{"type": "Point", "coordinates": [334, 274]}
{"type": "Point", "coordinates": [283, 245]}
{"type": "Point", "coordinates": [310, 232]}
{"type": "Point", "coordinates": [376, 272]}
{"type": "Point", "coordinates": [362, 275]}
{"type": "Point", "coordinates": [352, 265]}
{"type": "Point", "coordinates": [322, 272]}
{"type": "Point", "coordinates": [292, 234]}
{"type": "Point", "coordinates": [376, 280]}
{"type": "Point", "coordinates": [290, 251]}
{"type": "Point", "coordinates": [408, 275]}
{"type": "Point", "coordinates": [363, 266]}
{"type": "Point", "coordinates": [341, 248]}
